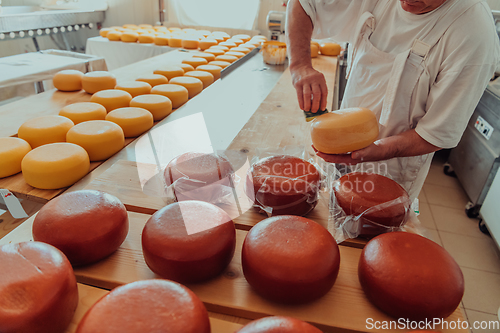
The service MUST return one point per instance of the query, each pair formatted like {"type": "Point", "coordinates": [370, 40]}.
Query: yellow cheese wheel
{"type": "Point", "coordinates": [190, 43]}
{"type": "Point", "coordinates": [170, 71]}
{"type": "Point", "coordinates": [330, 49]}
{"type": "Point", "coordinates": [217, 38]}
{"type": "Point", "coordinates": [245, 38]}
{"type": "Point", "coordinates": [228, 44]}
{"type": "Point", "coordinates": [192, 84]}
{"type": "Point", "coordinates": [195, 62]}
{"type": "Point", "coordinates": [177, 94]}
{"type": "Point", "coordinates": [227, 58]}
{"type": "Point", "coordinates": [240, 49]}
{"type": "Point", "coordinates": [315, 43]}
{"type": "Point", "coordinates": [212, 69]}
{"type": "Point", "coordinates": [153, 79]}
{"type": "Point", "coordinates": [114, 36]}
{"type": "Point", "coordinates": [43, 130]}
{"type": "Point", "coordinates": [215, 52]}
{"type": "Point", "coordinates": [206, 43]}
{"type": "Point", "coordinates": [344, 130]}
{"type": "Point", "coordinates": [220, 47]}
{"type": "Point", "coordinates": [235, 41]}
{"type": "Point", "coordinates": [314, 50]}
{"type": "Point", "coordinates": [161, 40]}
{"type": "Point", "coordinates": [175, 41]}
{"type": "Point", "coordinates": [146, 38]}
{"type": "Point", "coordinates": [112, 99]}
{"type": "Point", "coordinates": [104, 31]}
{"type": "Point", "coordinates": [12, 152]}
{"type": "Point", "coordinates": [186, 67]}
{"type": "Point", "coordinates": [129, 37]}
{"type": "Point", "coordinates": [134, 88]}
{"type": "Point", "coordinates": [207, 56]}
{"type": "Point", "coordinates": [234, 54]}
{"type": "Point", "coordinates": [204, 32]}
{"type": "Point", "coordinates": [159, 106]}
{"type": "Point", "coordinates": [205, 77]}
{"type": "Point", "coordinates": [100, 138]}
{"type": "Point", "coordinates": [133, 121]}
{"type": "Point", "coordinates": [83, 111]}
{"type": "Point", "coordinates": [93, 82]}
{"type": "Point", "coordinates": [247, 46]}
{"type": "Point", "coordinates": [55, 165]}
{"type": "Point", "coordinates": [221, 64]}
{"type": "Point", "coordinates": [68, 80]}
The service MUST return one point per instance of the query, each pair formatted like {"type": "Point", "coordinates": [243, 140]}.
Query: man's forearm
{"type": "Point", "coordinates": [298, 35]}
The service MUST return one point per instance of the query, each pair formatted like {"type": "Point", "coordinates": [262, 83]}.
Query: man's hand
{"type": "Point", "coordinates": [310, 86]}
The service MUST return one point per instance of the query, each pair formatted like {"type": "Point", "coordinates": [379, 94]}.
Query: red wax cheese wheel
{"type": "Point", "coordinates": [86, 225]}
{"type": "Point", "coordinates": [290, 259]}
{"type": "Point", "coordinates": [409, 276]}
{"type": "Point", "coordinates": [286, 184]}
{"type": "Point", "coordinates": [379, 199]}
{"type": "Point", "coordinates": [189, 241]}
{"type": "Point", "coordinates": [278, 324]}
{"type": "Point", "coordinates": [38, 291]}
{"type": "Point", "coordinates": [145, 307]}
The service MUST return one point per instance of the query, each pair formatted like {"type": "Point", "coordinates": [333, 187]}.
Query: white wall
{"type": "Point", "coordinates": [494, 4]}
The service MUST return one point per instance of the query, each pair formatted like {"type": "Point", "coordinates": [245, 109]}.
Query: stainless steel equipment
{"type": "Point", "coordinates": [276, 23]}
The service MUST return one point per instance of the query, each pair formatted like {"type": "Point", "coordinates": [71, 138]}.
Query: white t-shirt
{"type": "Point", "coordinates": [458, 68]}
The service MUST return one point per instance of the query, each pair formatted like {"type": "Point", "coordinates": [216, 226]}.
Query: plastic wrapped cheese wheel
{"type": "Point", "coordinates": [290, 259]}
{"type": "Point", "coordinates": [12, 152]}
{"type": "Point", "coordinates": [220, 63]}
{"type": "Point", "coordinates": [100, 138]}
{"type": "Point", "coordinates": [114, 36]}
{"type": "Point", "coordinates": [44, 130]}
{"type": "Point", "coordinates": [129, 37]}
{"type": "Point", "coordinates": [177, 94]}
{"type": "Point", "coordinates": [330, 49]}
{"type": "Point", "coordinates": [344, 130]}
{"type": "Point", "coordinates": [83, 111]}
{"type": "Point", "coordinates": [93, 82]}
{"type": "Point", "coordinates": [153, 79]}
{"type": "Point", "coordinates": [147, 306]}
{"type": "Point", "coordinates": [205, 77]}
{"type": "Point", "coordinates": [409, 276]}
{"type": "Point", "coordinates": [170, 71]}
{"type": "Point", "coordinates": [278, 324]}
{"type": "Point", "coordinates": [159, 106]}
{"type": "Point", "coordinates": [55, 165]}
{"type": "Point", "coordinates": [134, 88]}
{"type": "Point", "coordinates": [133, 121]}
{"type": "Point", "coordinates": [38, 290]}
{"type": "Point", "coordinates": [283, 185]}
{"type": "Point", "coordinates": [86, 225]}
{"type": "Point", "coordinates": [189, 241]}
{"type": "Point", "coordinates": [212, 69]}
{"type": "Point", "coordinates": [112, 99]}
{"type": "Point", "coordinates": [192, 84]}
{"type": "Point", "coordinates": [186, 67]}
{"type": "Point", "coordinates": [68, 80]}
{"type": "Point", "coordinates": [146, 38]}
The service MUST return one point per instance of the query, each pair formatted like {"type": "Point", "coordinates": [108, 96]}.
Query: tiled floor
{"type": "Point", "coordinates": [442, 213]}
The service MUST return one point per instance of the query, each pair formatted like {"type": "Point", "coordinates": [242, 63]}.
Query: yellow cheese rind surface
{"type": "Point", "coordinates": [192, 84]}
{"type": "Point", "coordinates": [344, 131]}
{"type": "Point", "coordinates": [226, 58]}
{"type": "Point", "coordinates": [55, 165]}
{"type": "Point", "coordinates": [206, 43]}
{"type": "Point", "coordinates": [83, 111]}
{"type": "Point", "coordinates": [195, 62]}
{"type": "Point", "coordinates": [314, 50]}
{"type": "Point", "coordinates": [153, 79]}
{"type": "Point", "coordinates": [129, 37]}
{"type": "Point", "coordinates": [235, 41]}
{"type": "Point", "coordinates": [241, 49]}
{"type": "Point", "coordinates": [134, 88]}
{"type": "Point", "coordinates": [104, 31]}
{"type": "Point", "coordinates": [190, 43]}
{"type": "Point", "coordinates": [212, 69]}
{"type": "Point", "coordinates": [12, 152]}
{"type": "Point", "coordinates": [235, 54]}
{"type": "Point", "coordinates": [68, 80]}
{"type": "Point", "coordinates": [161, 40]}
{"type": "Point", "coordinates": [160, 106]}
{"type": "Point", "coordinates": [330, 49]}
{"type": "Point", "coordinates": [170, 71]}
{"type": "Point", "coordinates": [133, 121]}
{"type": "Point", "coordinates": [112, 98]}
{"type": "Point", "coordinates": [220, 63]}
{"type": "Point", "coordinates": [175, 42]}
{"type": "Point", "coordinates": [205, 77]}
{"type": "Point", "coordinates": [44, 130]}
{"type": "Point", "coordinates": [93, 82]}
{"type": "Point", "coordinates": [215, 52]}
{"type": "Point", "coordinates": [245, 38]}
{"type": "Point", "coordinates": [100, 138]}
{"type": "Point", "coordinates": [186, 67]}
{"type": "Point", "coordinates": [207, 56]}
{"type": "Point", "coordinates": [177, 94]}
{"type": "Point", "coordinates": [228, 44]}
{"type": "Point", "coordinates": [114, 36]}
{"type": "Point", "coordinates": [220, 47]}
{"type": "Point", "coordinates": [247, 46]}
{"type": "Point", "coordinates": [146, 38]}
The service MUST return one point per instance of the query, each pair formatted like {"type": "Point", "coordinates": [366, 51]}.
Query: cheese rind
{"type": "Point", "coordinates": [195, 62]}
{"type": "Point", "coordinates": [206, 43]}
{"type": "Point", "coordinates": [159, 106]}
{"type": "Point", "coordinates": [278, 324]}
{"type": "Point", "coordinates": [68, 80]}
{"type": "Point", "coordinates": [208, 56]}
{"type": "Point", "coordinates": [146, 38]}
{"type": "Point", "coordinates": [190, 43]}
{"type": "Point", "coordinates": [241, 49]}
{"type": "Point", "coordinates": [220, 63]}
{"type": "Point", "coordinates": [205, 77]}
{"type": "Point", "coordinates": [234, 54]}
{"type": "Point", "coordinates": [133, 121]}
{"type": "Point", "coordinates": [330, 49]}
{"type": "Point", "coordinates": [12, 152]}
{"type": "Point", "coordinates": [129, 37]}
{"type": "Point", "coordinates": [314, 50]}
{"type": "Point", "coordinates": [161, 40]}
{"type": "Point", "coordinates": [175, 41]}
{"type": "Point", "coordinates": [112, 98]}
{"type": "Point", "coordinates": [215, 52]}
{"type": "Point", "coordinates": [192, 84]}
{"type": "Point", "coordinates": [177, 94]}
{"type": "Point", "coordinates": [114, 36]}
{"type": "Point", "coordinates": [134, 88]}
{"type": "Point", "coordinates": [83, 111]}
{"type": "Point", "coordinates": [186, 67]}
{"type": "Point", "coordinates": [170, 71]}
{"type": "Point", "coordinates": [212, 69]}
{"type": "Point", "coordinates": [153, 79]}
{"type": "Point", "coordinates": [43, 130]}
{"type": "Point", "coordinates": [93, 82]}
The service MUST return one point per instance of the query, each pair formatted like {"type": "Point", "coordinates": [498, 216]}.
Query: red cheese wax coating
{"type": "Point", "coordinates": [290, 259]}
{"type": "Point", "coordinates": [278, 324]}
{"type": "Point", "coordinates": [189, 241]}
{"type": "Point", "coordinates": [409, 276]}
{"type": "Point", "coordinates": [147, 306]}
{"type": "Point", "coordinates": [38, 291]}
{"type": "Point", "coordinates": [86, 225]}
{"type": "Point", "coordinates": [287, 184]}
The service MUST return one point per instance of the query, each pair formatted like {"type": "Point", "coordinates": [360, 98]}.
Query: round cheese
{"type": "Point", "coordinates": [220, 47]}
{"type": "Point", "coordinates": [235, 41]}
{"type": "Point", "coordinates": [217, 38]}
{"type": "Point", "coordinates": [215, 52]}
{"type": "Point", "coordinates": [100, 138]}
{"type": "Point", "coordinates": [220, 63]}
{"type": "Point", "coordinates": [43, 130]}
{"type": "Point", "coordinates": [186, 67]}
{"type": "Point", "coordinates": [133, 121]}
{"type": "Point", "coordinates": [153, 79]}
{"type": "Point", "coordinates": [161, 40]}
{"type": "Point", "coordinates": [409, 276]}
{"type": "Point", "coordinates": [214, 70]}
{"type": "Point", "coordinates": [175, 41]}
{"type": "Point", "coordinates": [68, 80]}
{"type": "Point", "coordinates": [192, 84]}
{"type": "Point", "coordinates": [170, 71]}
{"type": "Point", "coordinates": [290, 259]}
{"type": "Point", "coordinates": [195, 62]}
{"type": "Point", "coordinates": [228, 44]}
{"type": "Point", "coordinates": [206, 43]}
{"type": "Point", "coordinates": [233, 54]}
{"type": "Point", "coordinates": [190, 43]}
{"type": "Point", "coordinates": [112, 99]}
{"type": "Point", "coordinates": [93, 82]}
{"type": "Point", "coordinates": [159, 106]}
{"type": "Point", "coordinates": [204, 32]}
{"type": "Point", "coordinates": [129, 37]}
{"type": "Point", "coordinates": [104, 31]}
{"type": "Point", "coordinates": [248, 46]}
{"type": "Point", "coordinates": [241, 49]}
{"type": "Point", "coordinates": [283, 185]}
{"type": "Point", "coordinates": [12, 152]}
{"type": "Point", "coordinates": [55, 165]}
{"type": "Point", "coordinates": [178, 246]}
{"type": "Point", "coordinates": [278, 324]}
{"type": "Point", "coordinates": [146, 38]}
{"type": "Point", "coordinates": [330, 49]}
{"type": "Point", "coordinates": [114, 36]}
{"type": "Point", "coordinates": [38, 290]}
{"type": "Point", "coordinates": [244, 37]}
{"type": "Point", "coordinates": [314, 50]}
{"type": "Point", "coordinates": [205, 77]}
{"type": "Point", "coordinates": [86, 225]}
{"type": "Point", "coordinates": [134, 88]}
{"type": "Point", "coordinates": [83, 111]}
{"type": "Point", "coordinates": [207, 56]}
{"type": "Point", "coordinates": [177, 94]}
{"type": "Point", "coordinates": [147, 306]}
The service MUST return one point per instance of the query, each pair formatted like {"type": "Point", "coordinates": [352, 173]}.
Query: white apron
{"type": "Point", "coordinates": [385, 82]}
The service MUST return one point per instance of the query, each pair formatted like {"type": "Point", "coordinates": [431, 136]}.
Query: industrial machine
{"type": "Point", "coordinates": [276, 23]}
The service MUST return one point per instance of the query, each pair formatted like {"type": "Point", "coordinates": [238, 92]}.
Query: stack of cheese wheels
{"type": "Point", "coordinates": [153, 79]}
{"type": "Point", "coordinates": [278, 324]}
{"type": "Point", "coordinates": [192, 84]}
{"type": "Point", "coordinates": [283, 185]}
{"type": "Point", "coordinates": [68, 80]}
{"type": "Point", "coordinates": [43, 130]}
{"type": "Point", "coordinates": [147, 306]}
{"type": "Point", "coordinates": [134, 88]}
{"type": "Point", "coordinates": [86, 225]}
{"type": "Point", "coordinates": [180, 246]}
{"type": "Point", "coordinates": [55, 165]}
{"type": "Point", "coordinates": [93, 82]}
{"type": "Point", "coordinates": [100, 138]}
{"type": "Point", "coordinates": [83, 111]}
{"type": "Point", "coordinates": [198, 176]}
{"type": "Point", "coordinates": [12, 152]}
{"type": "Point", "coordinates": [344, 131]}
{"type": "Point", "coordinates": [112, 99]}
{"type": "Point", "coordinates": [409, 276]}
{"type": "Point", "coordinates": [159, 106]}
{"type": "Point", "coordinates": [38, 290]}
{"type": "Point", "coordinates": [133, 121]}
{"type": "Point", "coordinates": [330, 49]}
{"type": "Point", "coordinates": [378, 203]}
{"type": "Point", "coordinates": [170, 71]}
{"type": "Point", "coordinates": [290, 259]}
